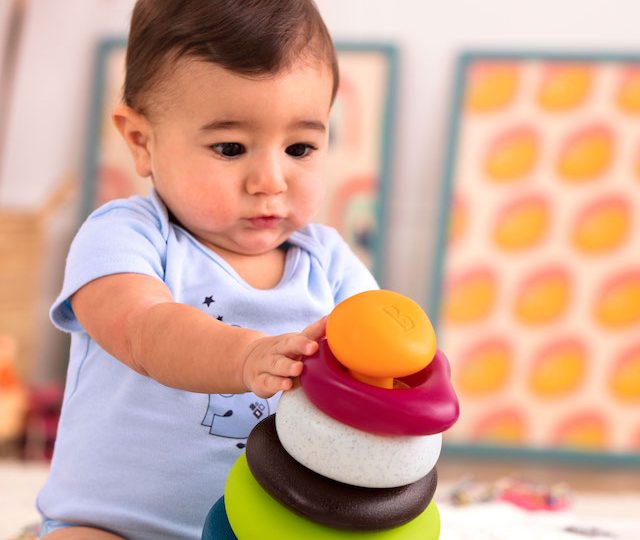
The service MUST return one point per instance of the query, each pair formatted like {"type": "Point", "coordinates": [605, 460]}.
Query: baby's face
{"type": "Point", "coordinates": [240, 160]}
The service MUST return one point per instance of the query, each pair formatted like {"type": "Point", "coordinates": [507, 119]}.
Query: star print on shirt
{"type": "Point", "coordinates": [219, 317]}
{"type": "Point", "coordinates": [208, 300]}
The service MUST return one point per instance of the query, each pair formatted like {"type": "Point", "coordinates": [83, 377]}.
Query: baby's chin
{"type": "Point", "coordinates": [254, 247]}
{"type": "Point", "coordinates": [263, 241]}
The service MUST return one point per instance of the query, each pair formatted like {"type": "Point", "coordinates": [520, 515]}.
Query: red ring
{"type": "Point", "coordinates": [428, 406]}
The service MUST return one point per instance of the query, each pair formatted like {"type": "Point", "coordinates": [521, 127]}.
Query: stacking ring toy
{"type": "Point", "coordinates": [216, 526]}
{"type": "Point", "coordinates": [253, 513]}
{"type": "Point", "coordinates": [429, 404]}
{"type": "Point", "coordinates": [380, 335]}
{"type": "Point", "coordinates": [343, 453]}
{"type": "Point", "coordinates": [335, 504]}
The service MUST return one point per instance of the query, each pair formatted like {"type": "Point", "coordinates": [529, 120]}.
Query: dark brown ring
{"type": "Point", "coordinates": [326, 501]}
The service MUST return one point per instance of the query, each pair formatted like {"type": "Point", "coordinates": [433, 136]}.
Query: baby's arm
{"type": "Point", "coordinates": [135, 319]}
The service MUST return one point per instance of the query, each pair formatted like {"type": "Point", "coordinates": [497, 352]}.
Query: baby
{"type": "Point", "coordinates": [192, 308]}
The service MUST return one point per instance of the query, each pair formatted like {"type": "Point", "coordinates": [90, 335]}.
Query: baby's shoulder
{"type": "Point", "coordinates": [135, 205]}
{"type": "Point", "coordinates": [316, 236]}
{"type": "Point", "coordinates": [136, 211]}
{"type": "Point", "coordinates": [321, 241]}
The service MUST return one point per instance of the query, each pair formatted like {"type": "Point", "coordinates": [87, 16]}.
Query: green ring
{"type": "Point", "coordinates": [253, 513]}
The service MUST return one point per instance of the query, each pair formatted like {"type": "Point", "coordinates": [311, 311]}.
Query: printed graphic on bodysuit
{"type": "Point", "coordinates": [234, 415]}
{"type": "Point", "coordinates": [208, 300]}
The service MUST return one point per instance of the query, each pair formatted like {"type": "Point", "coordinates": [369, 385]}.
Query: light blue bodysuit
{"type": "Point", "coordinates": [138, 458]}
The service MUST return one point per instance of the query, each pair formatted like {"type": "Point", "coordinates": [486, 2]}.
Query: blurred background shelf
{"type": "Point", "coordinates": [33, 246]}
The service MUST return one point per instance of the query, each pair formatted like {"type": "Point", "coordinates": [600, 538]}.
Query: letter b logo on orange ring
{"type": "Point", "coordinates": [363, 339]}
{"type": "Point", "coordinates": [404, 321]}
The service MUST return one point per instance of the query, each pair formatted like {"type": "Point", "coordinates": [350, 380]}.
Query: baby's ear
{"type": "Point", "coordinates": [136, 131]}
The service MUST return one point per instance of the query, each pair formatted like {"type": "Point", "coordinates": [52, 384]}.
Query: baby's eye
{"type": "Point", "coordinates": [299, 150]}
{"type": "Point", "coordinates": [229, 149]}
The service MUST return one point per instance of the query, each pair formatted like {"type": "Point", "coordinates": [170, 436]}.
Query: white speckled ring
{"type": "Point", "coordinates": [347, 454]}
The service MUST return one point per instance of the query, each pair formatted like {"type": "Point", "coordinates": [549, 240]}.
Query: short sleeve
{"type": "Point", "coordinates": [346, 273]}
{"type": "Point", "coordinates": [124, 236]}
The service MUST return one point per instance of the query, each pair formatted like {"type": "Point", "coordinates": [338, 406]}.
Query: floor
{"type": "Point", "coordinates": [606, 502]}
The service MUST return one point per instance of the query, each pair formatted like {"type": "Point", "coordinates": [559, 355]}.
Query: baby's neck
{"type": "Point", "coordinates": [262, 271]}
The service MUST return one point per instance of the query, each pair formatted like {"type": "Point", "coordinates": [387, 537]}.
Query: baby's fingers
{"type": "Point", "coordinates": [267, 385]}
{"type": "Point", "coordinates": [316, 331]}
{"type": "Point", "coordinates": [282, 365]}
{"type": "Point", "coordinates": [296, 346]}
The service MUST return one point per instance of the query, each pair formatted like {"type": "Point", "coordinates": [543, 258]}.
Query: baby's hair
{"type": "Point", "coordinates": [249, 37]}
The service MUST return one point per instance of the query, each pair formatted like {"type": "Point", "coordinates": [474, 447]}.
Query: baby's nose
{"type": "Point", "coordinates": [267, 177]}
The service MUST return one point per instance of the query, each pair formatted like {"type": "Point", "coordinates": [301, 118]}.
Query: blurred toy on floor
{"type": "Point", "coordinates": [13, 399]}
{"type": "Point", "coordinates": [28, 414]}
{"type": "Point", "coordinates": [518, 491]}
{"type": "Point", "coordinates": [41, 424]}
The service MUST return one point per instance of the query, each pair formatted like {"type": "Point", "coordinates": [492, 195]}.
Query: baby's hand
{"type": "Point", "coordinates": [272, 361]}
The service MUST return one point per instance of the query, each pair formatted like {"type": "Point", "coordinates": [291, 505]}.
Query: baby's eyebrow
{"type": "Point", "coordinates": [223, 124]}
{"type": "Point", "coordinates": [214, 125]}
{"type": "Point", "coordinates": [310, 124]}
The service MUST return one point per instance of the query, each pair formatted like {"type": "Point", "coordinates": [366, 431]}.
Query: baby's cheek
{"type": "Point", "coordinates": [217, 210]}
{"type": "Point", "coordinates": [308, 204]}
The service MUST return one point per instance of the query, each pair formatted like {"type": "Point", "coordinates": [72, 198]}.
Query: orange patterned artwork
{"type": "Point", "coordinates": [538, 289]}
{"type": "Point", "coordinates": [358, 154]}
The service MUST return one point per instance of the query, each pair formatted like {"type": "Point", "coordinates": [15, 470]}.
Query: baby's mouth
{"type": "Point", "coordinates": [265, 222]}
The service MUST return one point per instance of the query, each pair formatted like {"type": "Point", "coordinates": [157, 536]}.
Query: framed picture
{"type": "Point", "coordinates": [537, 287]}
{"type": "Point", "coordinates": [359, 152]}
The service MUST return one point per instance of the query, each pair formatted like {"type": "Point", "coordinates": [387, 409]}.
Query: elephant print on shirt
{"type": "Point", "coordinates": [234, 415]}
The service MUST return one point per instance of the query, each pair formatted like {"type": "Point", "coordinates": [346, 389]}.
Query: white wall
{"type": "Point", "coordinates": [48, 119]}
{"type": "Point", "coordinates": [5, 17]}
